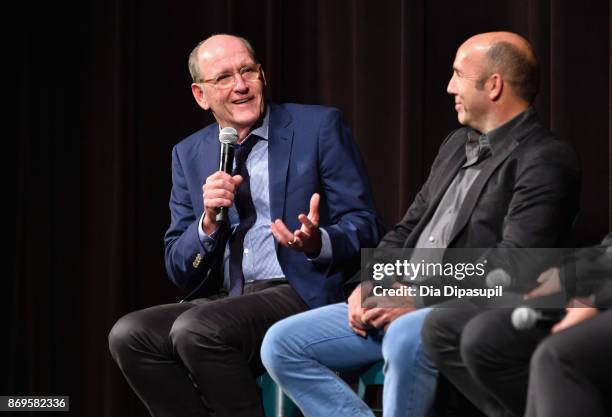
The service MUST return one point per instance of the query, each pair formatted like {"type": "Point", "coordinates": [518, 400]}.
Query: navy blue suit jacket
{"type": "Point", "coordinates": [310, 149]}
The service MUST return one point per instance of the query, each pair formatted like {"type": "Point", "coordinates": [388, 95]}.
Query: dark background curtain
{"type": "Point", "coordinates": [102, 95]}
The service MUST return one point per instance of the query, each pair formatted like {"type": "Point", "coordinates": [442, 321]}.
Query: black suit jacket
{"type": "Point", "coordinates": [588, 271]}
{"type": "Point", "coordinates": [526, 195]}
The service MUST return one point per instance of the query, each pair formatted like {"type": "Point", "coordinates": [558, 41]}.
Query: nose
{"type": "Point", "coordinates": [451, 87]}
{"type": "Point", "coordinates": [240, 85]}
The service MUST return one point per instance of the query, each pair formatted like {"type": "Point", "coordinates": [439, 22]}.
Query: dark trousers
{"type": "Point", "coordinates": [482, 355]}
{"type": "Point", "coordinates": [201, 358]}
{"type": "Point", "coordinates": [571, 371]}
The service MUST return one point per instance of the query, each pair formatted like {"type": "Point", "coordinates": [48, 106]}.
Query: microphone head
{"type": "Point", "coordinates": [228, 135]}
{"type": "Point", "coordinates": [524, 318]}
{"type": "Point", "coordinates": [498, 277]}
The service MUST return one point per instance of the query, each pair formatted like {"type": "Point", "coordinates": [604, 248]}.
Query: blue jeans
{"type": "Point", "coordinates": [302, 353]}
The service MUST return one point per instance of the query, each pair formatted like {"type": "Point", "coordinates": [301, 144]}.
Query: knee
{"type": "Point", "coordinates": [479, 345]}
{"type": "Point", "coordinates": [125, 336]}
{"type": "Point", "coordinates": [545, 356]}
{"type": "Point", "coordinates": [190, 334]}
{"type": "Point", "coordinates": [402, 342]}
{"type": "Point", "coordinates": [436, 336]}
{"type": "Point", "coordinates": [277, 346]}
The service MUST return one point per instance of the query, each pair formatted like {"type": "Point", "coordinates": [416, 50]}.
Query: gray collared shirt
{"type": "Point", "coordinates": [478, 147]}
{"type": "Point", "coordinates": [438, 231]}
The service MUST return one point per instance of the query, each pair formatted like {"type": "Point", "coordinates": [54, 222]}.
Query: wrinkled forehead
{"type": "Point", "coordinates": [223, 56]}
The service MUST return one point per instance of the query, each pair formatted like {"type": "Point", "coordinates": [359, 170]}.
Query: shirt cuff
{"type": "Point", "coordinates": [208, 241]}
{"type": "Point", "coordinates": [325, 255]}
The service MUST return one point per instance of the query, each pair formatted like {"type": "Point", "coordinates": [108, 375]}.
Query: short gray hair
{"type": "Point", "coordinates": [520, 69]}
{"type": "Point", "coordinates": [194, 69]}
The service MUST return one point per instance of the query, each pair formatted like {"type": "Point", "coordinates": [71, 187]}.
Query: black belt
{"type": "Point", "coordinates": [254, 285]}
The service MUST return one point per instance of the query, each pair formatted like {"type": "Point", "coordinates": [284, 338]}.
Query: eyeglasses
{"type": "Point", "coordinates": [248, 73]}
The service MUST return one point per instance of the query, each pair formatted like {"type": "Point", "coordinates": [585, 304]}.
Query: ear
{"type": "Point", "coordinates": [495, 86]}
{"type": "Point", "coordinates": [198, 93]}
{"type": "Point", "coordinates": [263, 77]}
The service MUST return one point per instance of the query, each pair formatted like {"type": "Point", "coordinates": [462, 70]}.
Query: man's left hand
{"type": "Point", "coordinates": [307, 238]}
{"type": "Point", "coordinates": [549, 283]}
{"type": "Point", "coordinates": [382, 311]}
{"type": "Point", "coordinates": [382, 317]}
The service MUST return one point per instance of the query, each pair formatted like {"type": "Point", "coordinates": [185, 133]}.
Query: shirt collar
{"type": "Point", "coordinates": [477, 148]}
{"type": "Point", "coordinates": [501, 133]}
{"type": "Point", "coordinates": [261, 127]}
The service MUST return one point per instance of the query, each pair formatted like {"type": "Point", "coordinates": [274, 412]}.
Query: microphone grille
{"type": "Point", "coordinates": [523, 318]}
{"type": "Point", "coordinates": [498, 277]}
{"type": "Point", "coordinates": [228, 135]}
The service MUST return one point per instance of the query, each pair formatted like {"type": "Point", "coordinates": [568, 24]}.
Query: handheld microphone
{"type": "Point", "coordinates": [228, 138]}
{"type": "Point", "coordinates": [498, 277]}
{"type": "Point", "coordinates": [524, 318]}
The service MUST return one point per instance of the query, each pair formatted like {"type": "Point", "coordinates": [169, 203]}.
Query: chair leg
{"type": "Point", "coordinates": [275, 402]}
{"type": "Point", "coordinates": [361, 389]}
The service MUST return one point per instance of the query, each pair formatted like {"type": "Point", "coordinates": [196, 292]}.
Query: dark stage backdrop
{"type": "Point", "coordinates": [103, 95]}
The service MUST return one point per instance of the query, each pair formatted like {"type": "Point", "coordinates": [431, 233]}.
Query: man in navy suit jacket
{"type": "Point", "coordinates": [271, 260]}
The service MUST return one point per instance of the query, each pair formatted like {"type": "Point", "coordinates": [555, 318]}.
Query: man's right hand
{"type": "Point", "coordinates": [574, 316]}
{"type": "Point", "coordinates": [218, 191]}
{"type": "Point", "coordinates": [549, 283]}
{"type": "Point", "coordinates": [356, 312]}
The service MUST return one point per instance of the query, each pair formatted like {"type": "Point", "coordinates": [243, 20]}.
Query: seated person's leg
{"type": "Point", "coordinates": [441, 336]}
{"type": "Point", "coordinates": [571, 371]}
{"type": "Point", "coordinates": [497, 356]}
{"type": "Point", "coordinates": [303, 352]}
{"type": "Point", "coordinates": [140, 344]}
{"type": "Point", "coordinates": [219, 344]}
{"type": "Point", "coordinates": [410, 375]}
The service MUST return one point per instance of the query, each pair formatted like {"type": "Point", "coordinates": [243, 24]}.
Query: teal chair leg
{"type": "Point", "coordinates": [374, 376]}
{"type": "Point", "coordinates": [275, 402]}
{"type": "Point", "coordinates": [371, 377]}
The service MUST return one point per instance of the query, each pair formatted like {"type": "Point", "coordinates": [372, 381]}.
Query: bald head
{"type": "Point", "coordinates": [511, 56]}
{"type": "Point", "coordinates": [215, 45]}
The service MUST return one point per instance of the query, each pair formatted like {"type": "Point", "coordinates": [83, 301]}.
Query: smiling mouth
{"type": "Point", "coordinates": [242, 101]}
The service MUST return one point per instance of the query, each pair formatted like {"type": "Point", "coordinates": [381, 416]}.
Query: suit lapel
{"type": "Point", "coordinates": [465, 212]}
{"type": "Point", "coordinates": [528, 123]}
{"type": "Point", "coordinates": [205, 159]}
{"type": "Point", "coordinates": [280, 140]}
{"type": "Point", "coordinates": [450, 169]}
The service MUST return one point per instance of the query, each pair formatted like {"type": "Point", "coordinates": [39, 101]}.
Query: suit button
{"type": "Point", "coordinates": [197, 260]}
